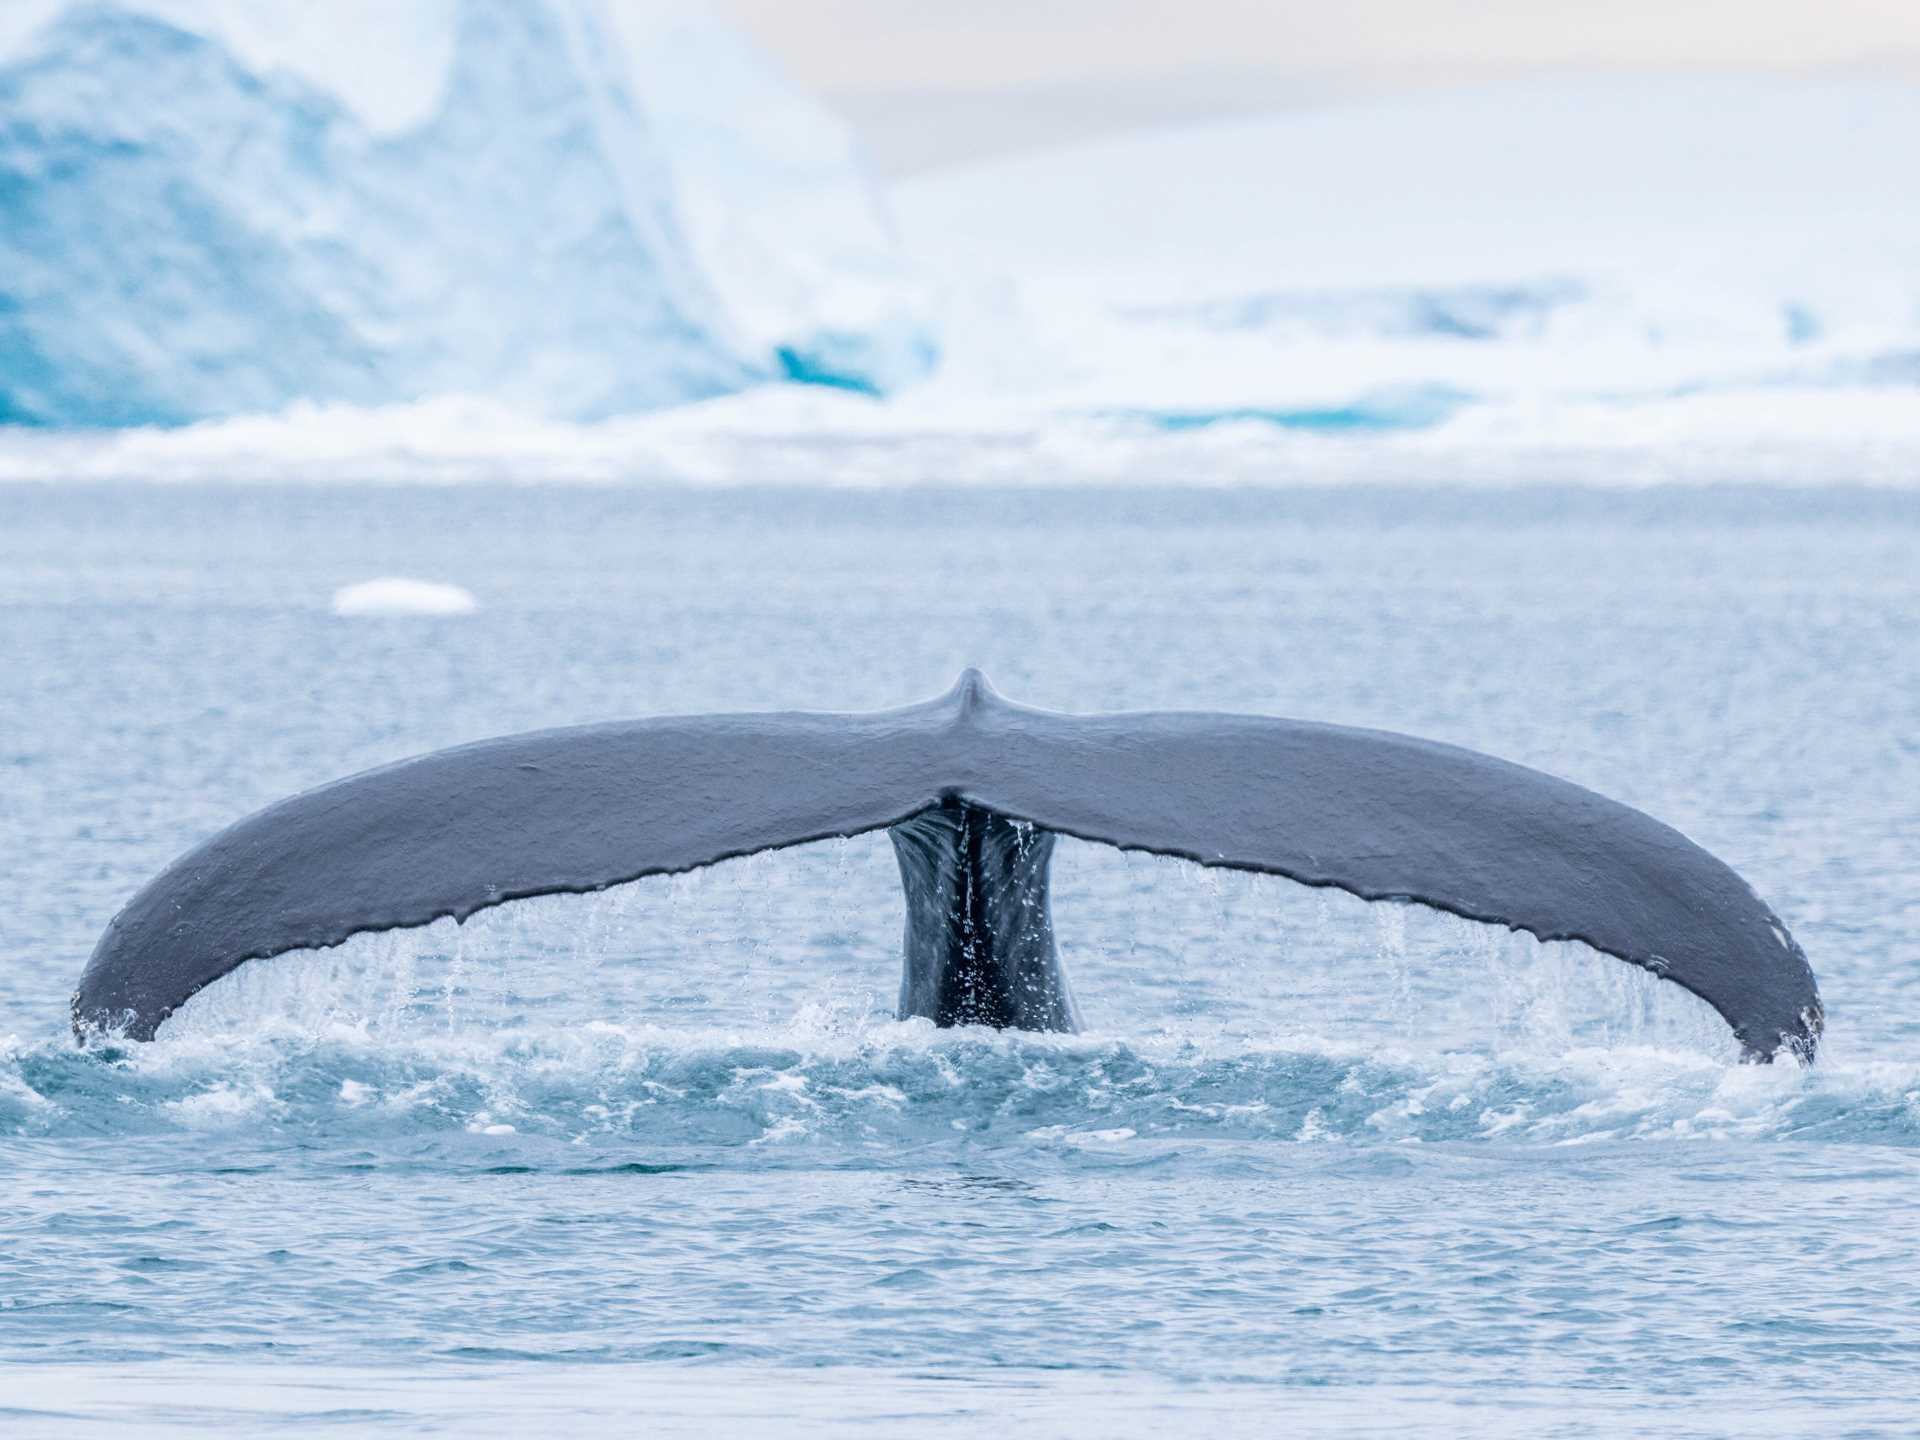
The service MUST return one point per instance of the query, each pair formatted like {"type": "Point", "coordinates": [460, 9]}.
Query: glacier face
{"type": "Point", "coordinates": [545, 209]}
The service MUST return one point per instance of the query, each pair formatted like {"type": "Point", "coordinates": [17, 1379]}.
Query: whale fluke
{"type": "Point", "coordinates": [973, 789]}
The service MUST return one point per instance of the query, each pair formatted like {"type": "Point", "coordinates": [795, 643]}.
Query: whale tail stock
{"type": "Point", "coordinates": [979, 944]}
{"type": "Point", "coordinates": [973, 790]}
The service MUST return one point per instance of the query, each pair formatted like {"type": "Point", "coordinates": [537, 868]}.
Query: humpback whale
{"type": "Point", "coordinates": [972, 790]}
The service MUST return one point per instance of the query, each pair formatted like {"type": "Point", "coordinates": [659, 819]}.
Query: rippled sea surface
{"type": "Point", "coordinates": [662, 1158]}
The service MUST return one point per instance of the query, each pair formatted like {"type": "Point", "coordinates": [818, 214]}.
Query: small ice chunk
{"type": "Point", "coordinates": [398, 595]}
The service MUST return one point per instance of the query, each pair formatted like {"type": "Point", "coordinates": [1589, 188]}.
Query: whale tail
{"type": "Point", "coordinates": [979, 945]}
{"type": "Point", "coordinates": [972, 789]}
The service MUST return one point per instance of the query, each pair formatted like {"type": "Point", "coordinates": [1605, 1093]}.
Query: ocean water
{"type": "Point", "coordinates": [661, 1159]}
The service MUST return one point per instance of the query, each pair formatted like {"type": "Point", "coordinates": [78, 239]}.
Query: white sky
{"type": "Point", "coordinates": [904, 45]}
{"type": "Point", "coordinates": [932, 83]}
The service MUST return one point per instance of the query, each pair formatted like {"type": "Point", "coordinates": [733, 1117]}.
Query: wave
{"type": "Point", "coordinates": [870, 1091]}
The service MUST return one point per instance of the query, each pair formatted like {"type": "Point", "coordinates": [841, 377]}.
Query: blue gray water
{"type": "Point", "coordinates": [663, 1154]}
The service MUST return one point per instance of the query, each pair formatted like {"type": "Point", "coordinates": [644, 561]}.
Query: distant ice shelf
{"type": "Point", "coordinates": [578, 208]}
{"type": "Point", "coordinates": [1486, 257]}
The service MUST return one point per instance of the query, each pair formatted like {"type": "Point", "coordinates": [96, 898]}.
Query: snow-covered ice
{"type": "Point", "coordinates": [1567, 244]}
{"type": "Point", "coordinates": [1620, 278]}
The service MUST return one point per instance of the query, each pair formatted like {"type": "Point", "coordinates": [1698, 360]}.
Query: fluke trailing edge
{"type": "Point", "coordinates": [973, 790]}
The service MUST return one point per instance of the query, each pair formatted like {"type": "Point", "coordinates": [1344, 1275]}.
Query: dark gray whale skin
{"type": "Point", "coordinates": [974, 788]}
{"type": "Point", "coordinates": [979, 944]}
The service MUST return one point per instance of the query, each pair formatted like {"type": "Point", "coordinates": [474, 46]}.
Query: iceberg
{"type": "Point", "coordinates": [573, 209]}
